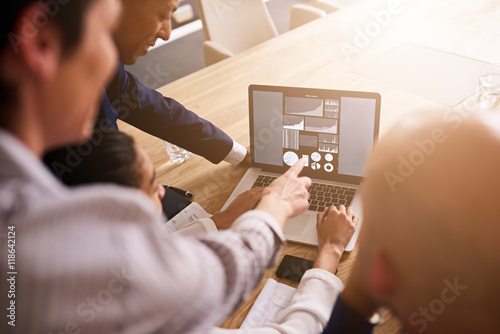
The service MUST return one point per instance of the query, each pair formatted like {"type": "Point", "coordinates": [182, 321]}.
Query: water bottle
{"type": "Point", "coordinates": [177, 154]}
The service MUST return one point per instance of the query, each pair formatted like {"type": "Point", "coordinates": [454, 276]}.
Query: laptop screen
{"type": "Point", "coordinates": [333, 130]}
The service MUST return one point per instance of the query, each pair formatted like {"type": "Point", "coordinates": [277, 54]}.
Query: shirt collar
{"type": "Point", "coordinates": [19, 162]}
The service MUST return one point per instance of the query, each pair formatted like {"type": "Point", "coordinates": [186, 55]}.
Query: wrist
{"type": "Point", "coordinates": [332, 249]}
{"type": "Point", "coordinates": [270, 203]}
{"type": "Point", "coordinates": [220, 220]}
{"type": "Point", "coordinates": [328, 258]}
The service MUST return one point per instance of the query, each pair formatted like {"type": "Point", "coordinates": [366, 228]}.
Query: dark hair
{"type": "Point", "coordinates": [110, 156]}
{"type": "Point", "coordinates": [67, 14]}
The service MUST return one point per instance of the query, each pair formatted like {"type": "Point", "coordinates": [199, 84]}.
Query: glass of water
{"type": "Point", "coordinates": [489, 82]}
{"type": "Point", "coordinates": [177, 154]}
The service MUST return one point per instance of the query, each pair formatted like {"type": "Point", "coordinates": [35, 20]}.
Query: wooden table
{"type": "Point", "coordinates": [311, 55]}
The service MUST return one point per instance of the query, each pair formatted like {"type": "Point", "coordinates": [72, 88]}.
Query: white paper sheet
{"type": "Point", "coordinates": [272, 299]}
{"type": "Point", "coordinates": [189, 214]}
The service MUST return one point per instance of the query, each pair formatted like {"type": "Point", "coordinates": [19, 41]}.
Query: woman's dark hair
{"type": "Point", "coordinates": [109, 156]}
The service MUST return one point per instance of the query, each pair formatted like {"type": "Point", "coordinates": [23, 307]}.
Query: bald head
{"type": "Point", "coordinates": [431, 204]}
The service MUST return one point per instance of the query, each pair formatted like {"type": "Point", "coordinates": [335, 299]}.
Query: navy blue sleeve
{"type": "Point", "coordinates": [345, 320]}
{"type": "Point", "coordinates": [163, 117]}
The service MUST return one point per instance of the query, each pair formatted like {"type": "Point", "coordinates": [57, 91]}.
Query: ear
{"type": "Point", "coordinates": [382, 277]}
{"type": "Point", "coordinates": [36, 41]}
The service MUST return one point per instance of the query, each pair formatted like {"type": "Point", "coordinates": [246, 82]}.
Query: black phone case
{"type": "Point", "coordinates": [173, 203]}
{"type": "Point", "coordinates": [293, 268]}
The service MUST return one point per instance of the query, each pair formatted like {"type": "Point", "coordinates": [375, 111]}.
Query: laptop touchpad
{"type": "Point", "coordinates": [295, 226]}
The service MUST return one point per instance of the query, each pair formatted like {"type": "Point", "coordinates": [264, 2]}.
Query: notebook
{"type": "Point", "coordinates": [333, 130]}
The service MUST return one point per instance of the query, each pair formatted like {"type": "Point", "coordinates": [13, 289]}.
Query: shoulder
{"type": "Point", "coordinates": [98, 205]}
{"type": "Point", "coordinates": [111, 201]}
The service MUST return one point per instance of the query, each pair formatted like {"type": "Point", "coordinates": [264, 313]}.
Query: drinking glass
{"type": "Point", "coordinates": [177, 154]}
{"type": "Point", "coordinates": [489, 82]}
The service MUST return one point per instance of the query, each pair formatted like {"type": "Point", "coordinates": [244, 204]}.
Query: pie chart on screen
{"type": "Point", "coordinates": [316, 156]}
{"type": "Point", "coordinates": [290, 158]}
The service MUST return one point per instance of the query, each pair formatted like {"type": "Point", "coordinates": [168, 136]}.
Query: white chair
{"type": "Point", "coordinates": [327, 5]}
{"type": "Point", "coordinates": [302, 14]}
{"type": "Point", "coordinates": [234, 26]}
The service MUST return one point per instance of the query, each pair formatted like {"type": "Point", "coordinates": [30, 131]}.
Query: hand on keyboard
{"type": "Point", "coordinates": [321, 195]}
{"type": "Point", "coordinates": [286, 196]}
{"type": "Point", "coordinates": [335, 227]}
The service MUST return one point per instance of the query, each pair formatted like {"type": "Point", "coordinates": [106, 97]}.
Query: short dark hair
{"type": "Point", "coordinates": [110, 156]}
{"type": "Point", "coordinates": [68, 14]}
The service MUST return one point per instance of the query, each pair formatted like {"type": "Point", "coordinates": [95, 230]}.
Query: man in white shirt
{"type": "Point", "coordinates": [95, 259]}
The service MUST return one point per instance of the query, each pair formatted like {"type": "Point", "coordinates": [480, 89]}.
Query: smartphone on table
{"type": "Point", "coordinates": [292, 267]}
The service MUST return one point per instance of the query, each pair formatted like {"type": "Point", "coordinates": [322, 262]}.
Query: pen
{"type": "Point", "coordinates": [182, 192]}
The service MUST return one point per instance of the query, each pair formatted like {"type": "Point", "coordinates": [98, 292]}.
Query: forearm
{"type": "Point", "coordinates": [311, 305]}
{"type": "Point", "coordinates": [248, 248]}
{"type": "Point", "coordinates": [169, 120]}
{"type": "Point", "coordinates": [270, 204]}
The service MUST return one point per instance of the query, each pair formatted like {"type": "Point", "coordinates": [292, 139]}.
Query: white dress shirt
{"type": "Point", "coordinates": [237, 154]}
{"type": "Point", "coordinates": [95, 259]}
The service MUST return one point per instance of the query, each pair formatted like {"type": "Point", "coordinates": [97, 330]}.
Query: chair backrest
{"type": "Point", "coordinates": [301, 14]}
{"type": "Point", "coordinates": [327, 5]}
{"type": "Point", "coordinates": [236, 24]}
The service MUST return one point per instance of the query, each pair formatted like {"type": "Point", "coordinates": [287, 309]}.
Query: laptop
{"type": "Point", "coordinates": [333, 130]}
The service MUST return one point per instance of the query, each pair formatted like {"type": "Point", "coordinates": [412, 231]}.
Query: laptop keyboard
{"type": "Point", "coordinates": [321, 196]}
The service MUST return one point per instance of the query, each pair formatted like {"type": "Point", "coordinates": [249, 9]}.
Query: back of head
{"type": "Point", "coordinates": [431, 205]}
{"type": "Point", "coordinates": [68, 14]}
{"type": "Point", "coordinates": [110, 156]}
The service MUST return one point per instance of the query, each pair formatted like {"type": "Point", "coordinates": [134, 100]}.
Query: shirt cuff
{"type": "Point", "coordinates": [237, 154]}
